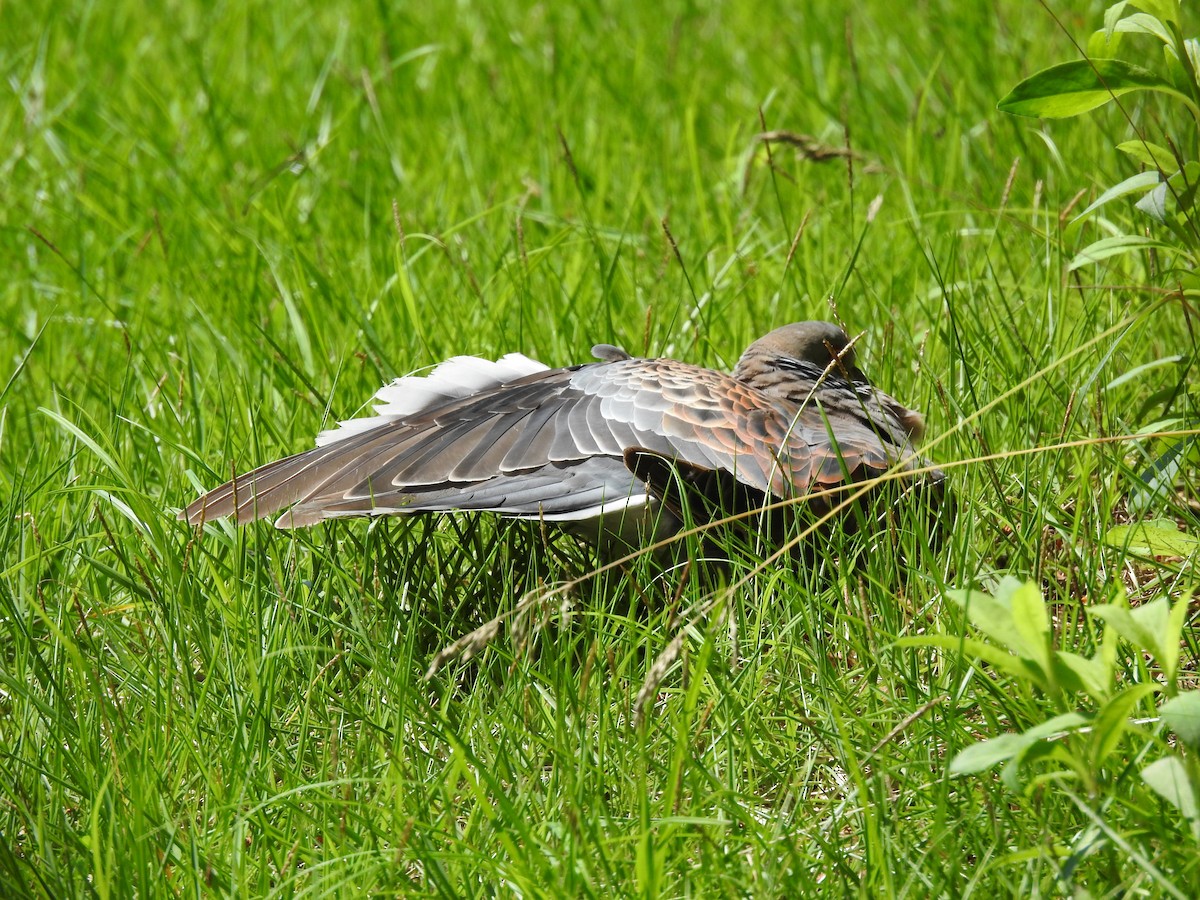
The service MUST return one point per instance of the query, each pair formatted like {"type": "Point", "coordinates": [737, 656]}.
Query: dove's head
{"type": "Point", "coordinates": [819, 346]}
{"type": "Point", "coordinates": [806, 359]}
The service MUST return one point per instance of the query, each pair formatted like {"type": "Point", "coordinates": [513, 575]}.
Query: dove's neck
{"type": "Point", "coordinates": [844, 391]}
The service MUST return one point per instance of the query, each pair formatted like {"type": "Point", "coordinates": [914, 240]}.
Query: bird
{"type": "Point", "coordinates": [619, 450]}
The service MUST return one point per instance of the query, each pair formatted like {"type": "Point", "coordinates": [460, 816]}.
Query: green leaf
{"type": "Point", "coordinates": [1112, 720]}
{"type": "Point", "coordinates": [1167, 10]}
{"type": "Point", "coordinates": [1104, 44]}
{"type": "Point", "coordinates": [1076, 87]}
{"type": "Point", "coordinates": [989, 614]}
{"type": "Point", "coordinates": [1042, 751]}
{"type": "Point", "coordinates": [1142, 181]}
{"type": "Point", "coordinates": [1140, 23]}
{"type": "Point", "coordinates": [1182, 716]}
{"type": "Point", "coordinates": [996, 657]}
{"type": "Point", "coordinates": [1168, 777]}
{"type": "Point", "coordinates": [1094, 677]}
{"type": "Point", "coordinates": [102, 453]}
{"type": "Point", "coordinates": [1032, 622]}
{"type": "Point", "coordinates": [1109, 645]}
{"type": "Point", "coordinates": [1154, 204]}
{"type": "Point", "coordinates": [985, 754]}
{"type": "Point", "coordinates": [1152, 155]}
{"type": "Point", "coordinates": [1153, 628]}
{"type": "Point", "coordinates": [1010, 746]}
{"type": "Point", "coordinates": [1112, 15]}
{"type": "Point", "coordinates": [1156, 537]}
{"type": "Point", "coordinates": [1153, 619]}
{"type": "Point", "coordinates": [1114, 246]}
{"type": "Point", "coordinates": [1121, 620]}
{"type": "Point", "coordinates": [1175, 70]}
{"type": "Point", "coordinates": [1192, 47]}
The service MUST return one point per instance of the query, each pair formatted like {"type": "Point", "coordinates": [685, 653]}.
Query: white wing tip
{"type": "Point", "coordinates": [454, 379]}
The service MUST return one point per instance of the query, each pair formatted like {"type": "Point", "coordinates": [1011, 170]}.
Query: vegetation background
{"type": "Point", "coordinates": [224, 225]}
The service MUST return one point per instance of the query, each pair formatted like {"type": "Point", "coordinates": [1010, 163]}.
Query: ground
{"type": "Point", "coordinates": [223, 226]}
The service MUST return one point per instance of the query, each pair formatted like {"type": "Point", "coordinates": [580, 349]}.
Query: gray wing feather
{"type": "Point", "coordinates": [550, 492]}
{"type": "Point", "coordinates": [552, 442]}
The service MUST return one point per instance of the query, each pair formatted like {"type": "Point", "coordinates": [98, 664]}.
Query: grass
{"type": "Point", "coordinates": [224, 225]}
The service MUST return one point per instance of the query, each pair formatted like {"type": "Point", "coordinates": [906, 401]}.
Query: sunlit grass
{"type": "Point", "coordinates": [224, 228]}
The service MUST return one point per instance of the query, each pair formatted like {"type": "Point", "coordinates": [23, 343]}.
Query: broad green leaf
{"type": "Point", "coordinates": [1142, 181]}
{"type": "Point", "coordinates": [993, 615]}
{"type": "Point", "coordinates": [1008, 746]}
{"type": "Point", "coordinates": [1155, 204]}
{"type": "Point", "coordinates": [1095, 678]}
{"type": "Point", "coordinates": [1140, 23]}
{"type": "Point", "coordinates": [1157, 537]}
{"type": "Point", "coordinates": [1182, 716]}
{"type": "Point", "coordinates": [1121, 620]}
{"type": "Point", "coordinates": [1104, 44]}
{"type": "Point", "coordinates": [1168, 777]}
{"type": "Point", "coordinates": [1076, 87]}
{"type": "Point", "coordinates": [986, 754]}
{"type": "Point", "coordinates": [1166, 10]}
{"type": "Point", "coordinates": [1192, 46]}
{"type": "Point", "coordinates": [1114, 246]}
{"type": "Point", "coordinates": [996, 657]}
{"type": "Point", "coordinates": [1154, 620]}
{"type": "Point", "coordinates": [1153, 627]}
{"type": "Point", "coordinates": [1152, 155]}
{"type": "Point", "coordinates": [1175, 69]}
{"type": "Point", "coordinates": [1032, 622]}
{"type": "Point", "coordinates": [1112, 720]}
{"type": "Point", "coordinates": [1113, 14]}
{"type": "Point", "coordinates": [1057, 726]}
{"type": "Point", "coordinates": [999, 749]}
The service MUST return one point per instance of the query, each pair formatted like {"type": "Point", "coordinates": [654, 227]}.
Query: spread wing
{"type": "Point", "coordinates": [553, 443]}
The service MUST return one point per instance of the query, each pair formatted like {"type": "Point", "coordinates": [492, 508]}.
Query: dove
{"type": "Point", "coordinates": [624, 446]}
